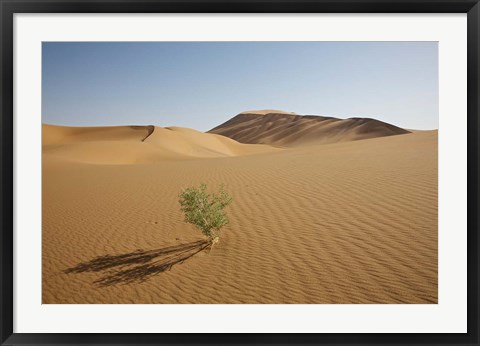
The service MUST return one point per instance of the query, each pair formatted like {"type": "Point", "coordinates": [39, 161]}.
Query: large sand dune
{"type": "Point", "coordinates": [350, 222]}
{"type": "Point", "coordinates": [138, 144]}
{"type": "Point", "coordinates": [281, 128]}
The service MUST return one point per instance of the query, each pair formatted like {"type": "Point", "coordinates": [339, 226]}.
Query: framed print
{"type": "Point", "coordinates": [239, 172]}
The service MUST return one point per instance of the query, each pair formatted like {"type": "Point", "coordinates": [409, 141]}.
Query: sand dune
{"type": "Point", "coordinates": [288, 129]}
{"type": "Point", "coordinates": [138, 144]}
{"type": "Point", "coordinates": [267, 111]}
{"type": "Point", "coordinates": [349, 222]}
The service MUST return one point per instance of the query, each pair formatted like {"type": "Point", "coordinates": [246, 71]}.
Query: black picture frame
{"type": "Point", "coordinates": [10, 7]}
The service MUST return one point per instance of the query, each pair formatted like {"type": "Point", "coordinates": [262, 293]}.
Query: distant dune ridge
{"type": "Point", "coordinates": [248, 133]}
{"type": "Point", "coordinates": [286, 129]}
{"type": "Point", "coordinates": [138, 144]}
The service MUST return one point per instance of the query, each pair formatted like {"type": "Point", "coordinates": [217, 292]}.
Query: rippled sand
{"type": "Point", "coordinates": [350, 222]}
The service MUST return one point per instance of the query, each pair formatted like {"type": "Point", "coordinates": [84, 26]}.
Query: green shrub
{"type": "Point", "coordinates": [204, 210]}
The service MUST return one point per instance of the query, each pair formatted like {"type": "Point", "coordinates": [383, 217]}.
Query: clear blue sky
{"type": "Point", "coordinates": [202, 84]}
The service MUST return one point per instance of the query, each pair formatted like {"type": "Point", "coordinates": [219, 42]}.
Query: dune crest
{"type": "Point", "coordinates": [284, 129]}
{"type": "Point", "coordinates": [267, 111]}
{"type": "Point", "coordinates": [138, 144]}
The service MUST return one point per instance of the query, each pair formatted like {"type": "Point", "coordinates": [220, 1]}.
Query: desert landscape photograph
{"type": "Point", "coordinates": [239, 173]}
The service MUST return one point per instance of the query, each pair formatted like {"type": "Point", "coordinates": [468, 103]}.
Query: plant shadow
{"type": "Point", "coordinates": [138, 266]}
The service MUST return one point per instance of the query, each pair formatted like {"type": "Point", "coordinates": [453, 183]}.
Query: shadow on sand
{"type": "Point", "coordinates": [138, 266]}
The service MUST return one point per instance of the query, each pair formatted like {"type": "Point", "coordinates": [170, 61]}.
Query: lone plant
{"type": "Point", "coordinates": [204, 210]}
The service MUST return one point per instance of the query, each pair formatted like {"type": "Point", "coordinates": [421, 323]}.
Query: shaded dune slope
{"type": "Point", "coordinates": [287, 129]}
{"type": "Point", "coordinates": [138, 144]}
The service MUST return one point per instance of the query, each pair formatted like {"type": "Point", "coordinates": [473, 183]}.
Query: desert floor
{"type": "Point", "coordinates": [351, 222]}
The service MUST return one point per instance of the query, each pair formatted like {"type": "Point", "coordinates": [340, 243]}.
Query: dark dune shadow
{"type": "Point", "coordinates": [138, 266]}
{"type": "Point", "coordinates": [149, 128]}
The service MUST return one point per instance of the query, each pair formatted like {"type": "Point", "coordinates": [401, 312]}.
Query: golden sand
{"type": "Point", "coordinates": [350, 222]}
